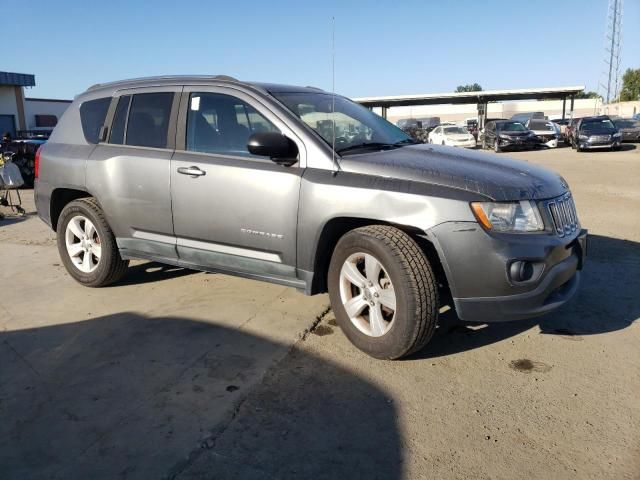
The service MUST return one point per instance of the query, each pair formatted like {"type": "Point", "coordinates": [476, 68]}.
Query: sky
{"type": "Point", "coordinates": [381, 47]}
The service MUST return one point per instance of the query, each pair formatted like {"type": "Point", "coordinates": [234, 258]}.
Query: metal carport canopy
{"type": "Point", "coordinates": [485, 96]}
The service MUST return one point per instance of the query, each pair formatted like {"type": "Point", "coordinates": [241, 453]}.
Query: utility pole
{"type": "Point", "coordinates": [613, 45]}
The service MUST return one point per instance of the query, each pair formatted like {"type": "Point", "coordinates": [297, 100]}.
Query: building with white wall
{"type": "Point", "coordinates": [19, 114]}
{"type": "Point", "coordinates": [12, 117]}
{"type": "Point", "coordinates": [43, 113]}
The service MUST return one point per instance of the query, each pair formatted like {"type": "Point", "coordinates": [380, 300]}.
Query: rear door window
{"type": "Point", "coordinates": [119, 123]}
{"type": "Point", "coordinates": [148, 120]}
{"type": "Point", "coordinates": [92, 116]}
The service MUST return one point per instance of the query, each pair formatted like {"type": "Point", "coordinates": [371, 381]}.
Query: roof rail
{"type": "Point", "coordinates": [225, 78]}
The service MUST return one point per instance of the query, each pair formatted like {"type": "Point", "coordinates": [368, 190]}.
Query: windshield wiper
{"type": "Point", "coordinates": [365, 145]}
{"type": "Point", "coordinates": [408, 141]}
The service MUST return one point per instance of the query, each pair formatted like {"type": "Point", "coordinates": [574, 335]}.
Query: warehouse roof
{"type": "Point", "coordinates": [17, 79]}
{"type": "Point", "coordinates": [470, 97]}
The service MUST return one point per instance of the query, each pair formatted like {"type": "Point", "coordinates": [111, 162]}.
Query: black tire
{"type": "Point", "coordinates": [496, 146]}
{"type": "Point", "coordinates": [111, 267]}
{"type": "Point", "coordinates": [414, 282]}
{"type": "Point", "coordinates": [443, 143]}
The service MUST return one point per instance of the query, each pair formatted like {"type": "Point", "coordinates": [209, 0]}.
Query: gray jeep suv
{"type": "Point", "coordinates": [300, 187]}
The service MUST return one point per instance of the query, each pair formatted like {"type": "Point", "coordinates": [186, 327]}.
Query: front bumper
{"type": "Point", "coordinates": [479, 277]}
{"type": "Point", "coordinates": [591, 145]}
{"type": "Point", "coordinates": [465, 144]}
{"type": "Point", "coordinates": [518, 144]}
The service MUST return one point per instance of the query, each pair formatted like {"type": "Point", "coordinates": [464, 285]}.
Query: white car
{"type": "Point", "coordinates": [453, 136]}
{"type": "Point", "coordinates": [547, 131]}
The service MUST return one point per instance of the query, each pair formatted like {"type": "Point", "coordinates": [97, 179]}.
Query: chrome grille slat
{"type": "Point", "coordinates": [564, 215]}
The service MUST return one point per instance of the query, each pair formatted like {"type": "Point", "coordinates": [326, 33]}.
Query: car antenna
{"type": "Point", "coordinates": [333, 94]}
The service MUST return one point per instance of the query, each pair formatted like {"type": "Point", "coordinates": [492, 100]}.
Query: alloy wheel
{"type": "Point", "coordinates": [367, 294]}
{"type": "Point", "coordinates": [83, 244]}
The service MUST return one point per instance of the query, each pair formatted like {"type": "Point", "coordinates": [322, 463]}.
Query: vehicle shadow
{"type": "Point", "coordinates": [607, 301]}
{"type": "Point", "coordinates": [11, 218]}
{"type": "Point", "coordinates": [625, 147]}
{"type": "Point", "coordinates": [149, 272]}
{"type": "Point", "coordinates": [129, 396]}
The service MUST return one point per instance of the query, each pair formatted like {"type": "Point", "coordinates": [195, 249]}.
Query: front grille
{"type": "Point", "coordinates": [564, 215]}
{"type": "Point", "coordinates": [600, 138]}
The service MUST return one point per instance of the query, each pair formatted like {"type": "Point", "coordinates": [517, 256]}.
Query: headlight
{"type": "Point", "coordinates": [583, 137]}
{"type": "Point", "coordinates": [522, 216]}
{"type": "Point", "coordinates": [504, 137]}
{"type": "Point", "coordinates": [617, 134]}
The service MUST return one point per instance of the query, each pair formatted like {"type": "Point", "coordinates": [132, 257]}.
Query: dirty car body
{"type": "Point", "coordinates": [253, 217]}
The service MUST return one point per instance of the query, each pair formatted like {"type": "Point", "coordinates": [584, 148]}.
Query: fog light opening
{"type": "Point", "coordinates": [521, 271]}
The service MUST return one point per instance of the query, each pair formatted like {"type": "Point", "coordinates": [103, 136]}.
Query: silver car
{"type": "Point", "coordinates": [296, 186]}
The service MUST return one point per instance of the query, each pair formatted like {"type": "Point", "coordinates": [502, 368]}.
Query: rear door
{"type": "Point", "coordinates": [233, 210]}
{"type": "Point", "coordinates": [129, 171]}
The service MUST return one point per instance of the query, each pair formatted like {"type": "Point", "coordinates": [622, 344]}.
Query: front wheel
{"type": "Point", "coordinates": [87, 245]}
{"type": "Point", "coordinates": [383, 291]}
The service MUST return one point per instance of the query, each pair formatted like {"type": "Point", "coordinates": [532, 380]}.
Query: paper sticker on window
{"type": "Point", "coordinates": [195, 103]}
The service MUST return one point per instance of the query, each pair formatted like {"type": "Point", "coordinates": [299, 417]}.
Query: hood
{"type": "Point", "coordinates": [514, 134]}
{"type": "Point", "coordinates": [597, 131]}
{"type": "Point", "coordinates": [496, 177]}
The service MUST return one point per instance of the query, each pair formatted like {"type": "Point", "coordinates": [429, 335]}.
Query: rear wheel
{"type": "Point", "coordinates": [383, 291]}
{"type": "Point", "coordinates": [87, 245]}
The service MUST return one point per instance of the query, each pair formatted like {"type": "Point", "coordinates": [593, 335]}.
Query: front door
{"type": "Point", "coordinates": [232, 211]}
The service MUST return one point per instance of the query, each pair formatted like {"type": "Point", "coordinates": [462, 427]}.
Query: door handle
{"type": "Point", "coordinates": [191, 171]}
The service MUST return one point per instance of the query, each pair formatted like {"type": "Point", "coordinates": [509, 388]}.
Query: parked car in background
{"type": "Point", "coordinates": [562, 126]}
{"type": "Point", "coordinates": [524, 117]}
{"type": "Point", "coordinates": [546, 131]}
{"type": "Point", "coordinates": [429, 123]}
{"type": "Point", "coordinates": [636, 116]}
{"type": "Point", "coordinates": [480, 136]}
{"type": "Point", "coordinates": [452, 135]}
{"type": "Point", "coordinates": [570, 129]}
{"type": "Point", "coordinates": [507, 134]}
{"type": "Point", "coordinates": [629, 128]}
{"type": "Point", "coordinates": [472, 126]}
{"type": "Point", "coordinates": [247, 179]}
{"type": "Point", "coordinates": [409, 122]}
{"type": "Point", "coordinates": [596, 133]}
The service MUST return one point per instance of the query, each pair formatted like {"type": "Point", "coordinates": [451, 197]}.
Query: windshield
{"type": "Point", "coordinates": [541, 125]}
{"type": "Point", "coordinates": [627, 124]}
{"type": "Point", "coordinates": [511, 127]}
{"type": "Point", "coordinates": [456, 131]}
{"type": "Point", "coordinates": [355, 126]}
{"type": "Point", "coordinates": [597, 124]}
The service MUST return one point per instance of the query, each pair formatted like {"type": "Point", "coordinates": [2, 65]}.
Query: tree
{"type": "Point", "coordinates": [472, 87]}
{"type": "Point", "coordinates": [589, 94]}
{"type": "Point", "coordinates": [630, 85]}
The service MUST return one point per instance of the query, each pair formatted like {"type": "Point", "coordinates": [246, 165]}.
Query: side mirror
{"type": "Point", "coordinates": [274, 145]}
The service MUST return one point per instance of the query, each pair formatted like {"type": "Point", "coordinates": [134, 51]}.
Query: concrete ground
{"type": "Point", "coordinates": [177, 374]}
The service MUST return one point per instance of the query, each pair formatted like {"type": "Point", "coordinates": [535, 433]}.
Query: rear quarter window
{"type": "Point", "coordinates": [92, 116]}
